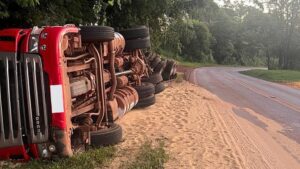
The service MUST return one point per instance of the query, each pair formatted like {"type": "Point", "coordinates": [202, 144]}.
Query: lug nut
{"type": "Point", "coordinates": [52, 148]}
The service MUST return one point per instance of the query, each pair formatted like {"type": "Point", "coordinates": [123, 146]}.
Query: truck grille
{"type": "Point", "coordinates": [23, 112]}
{"type": "Point", "coordinates": [35, 101]}
{"type": "Point", "coordinates": [10, 116]}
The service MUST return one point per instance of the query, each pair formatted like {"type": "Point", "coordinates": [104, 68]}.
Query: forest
{"type": "Point", "coordinates": [244, 32]}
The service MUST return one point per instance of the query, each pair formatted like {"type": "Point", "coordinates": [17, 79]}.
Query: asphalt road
{"type": "Point", "coordinates": [276, 102]}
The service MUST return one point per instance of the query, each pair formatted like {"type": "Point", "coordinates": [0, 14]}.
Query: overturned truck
{"type": "Point", "coordinates": [63, 87]}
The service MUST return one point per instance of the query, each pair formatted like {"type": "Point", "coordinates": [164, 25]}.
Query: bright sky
{"type": "Point", "coordinates": [221, 2]}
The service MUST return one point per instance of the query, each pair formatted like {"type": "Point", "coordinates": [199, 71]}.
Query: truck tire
{"type": "Point", "coordinates": [146, 102]}
{"type": "Point", "coordinates": [137, 44]}
{"type": "Point", "coordinates": [96, 33]}
{"type": "Point", "coordinates": [151, 57]}
{"type": "Point", "coordinates": [106, 137]}
{"type": "Point", "coordinates": [155, 62]}
{"type": "Point", "coordinates": [166, 74]}
{"type": "Point", "coordinates": [154, 78]}
{"type": "Point", "coordinates": [160, 67]}
{"type": "Point", "coordinates": [174, 76]}
{"type": "Point", "coordinates": [145, 90]}
{"type": "Point", "coordinates": [135, 33]}
{"type": "Point", "coordinates": [159, 87]}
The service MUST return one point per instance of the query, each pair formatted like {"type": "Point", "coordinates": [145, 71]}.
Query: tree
{"type": "Point", "coordinates": [28, 13]}
{"type": "Point", "coordinates": [287, 14]}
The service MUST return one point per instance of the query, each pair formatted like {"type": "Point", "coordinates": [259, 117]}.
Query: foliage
{"type": "Point", "coordinates": [286, 13]}
{"type": "Point", "coordinates": [264, 34]}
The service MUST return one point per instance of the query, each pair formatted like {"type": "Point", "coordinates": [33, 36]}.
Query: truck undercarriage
{"type": "Point", "coordinates": [63, 87]}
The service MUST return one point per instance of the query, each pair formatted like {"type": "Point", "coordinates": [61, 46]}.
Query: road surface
{"type": "Point", "coordinates": [268, 113]}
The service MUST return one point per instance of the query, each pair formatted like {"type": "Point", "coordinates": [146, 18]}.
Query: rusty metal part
{"type": "Point", "coordinates": [127, 98]}
{"type": "Point", "coordinates": [137, 80]}
{"type": "Point", "coordinates": [118, 43]}
{"type": "Point", "coordinates": [77, 42]}
{"type": "Point", "coordinates": [89, 60]}
{"type": "Point", "coordinates": [62, 139]}
{"type": "Point", "coordinates": [104, 48]}
{"type": "Point", "coordinates": [139, 66]}
{"type": "Point", "coordinates": [123, 94]}
{"type": "Point", "coordinates": [107, 90]}
{"type": "Point", "coordinates": [131, 99]}
{"type": "Point", "coordinates": [122, 81]}
{"type": "Point", "coordinates": [80, 86]}
{"type": "Point", "coordinates": [92, 78]}
{"type": "Point", "coordinates": [83, 103]}
{"type": "Point", "coordinates": [78, 67]}
{"type": "Point", "coordinates": [99, 83]}
{"type": "Point", "coordinates": [122, 106]}
{"type": "Point", "coordinates": [65, 43]}
{"type": "Point", "coordinates": [70, 52]}
{"type": "Point", "coordinates": [124, 73]}
{"type": "Point", "coordinates": [113, 106]}
{"type": "Point", "coordinates": [134, 92]}
{"type": "Point", "coordinates": [77, 57]}
{"type": "Point", "coordinates": [112, 70]}
{"type": "Point", "coordinates": [148, 70]}
{"type": "Point", "coordinates": [80, 138]}
{"type": "Point", "coordinates": [65, 139]}
{"type": "Point", "coordinates": [74, 45]}
{"type": "Point", "coordinates": [85, 109]}
{"type": "Point", "coordinates": [84, 120]}
{"type": "Point", "coordinates": [119, 62]}
{"type": "Point", "coordinates": [106, 76]}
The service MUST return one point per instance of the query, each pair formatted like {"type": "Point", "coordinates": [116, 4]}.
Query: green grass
{"type": "Point", "coordinates": [183, 62]}
{"type": "Point", "coordinates": [275, 75]}
{"type": "Point", "coordinates": [194, 64]}
{"type": "Point", "coordinates": [87, 160]}
{"type": "Point", "coordinates": [149, 157]}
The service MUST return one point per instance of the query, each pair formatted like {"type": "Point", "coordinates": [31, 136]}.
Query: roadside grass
{"type": "Point", "coordinates": [183, 62]}
{"type": "Point", "coordinates": [149, 157]}
{"type": "Point", "coordinates": [281, 76]}
{"type": "Point", "coordinates": [194, 64]}
{"type": "Point", "coordinates": [94, 158]}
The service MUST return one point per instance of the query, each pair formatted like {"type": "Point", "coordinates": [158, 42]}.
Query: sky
{"type": "Point", "coordinates": [221, 2]}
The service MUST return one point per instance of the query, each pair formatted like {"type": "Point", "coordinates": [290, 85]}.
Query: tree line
{"type": "Point", "coordinates": [256, 33]}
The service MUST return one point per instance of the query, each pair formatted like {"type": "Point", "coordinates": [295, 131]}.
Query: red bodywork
{"type": "Point", "coordinates": [51, 57]}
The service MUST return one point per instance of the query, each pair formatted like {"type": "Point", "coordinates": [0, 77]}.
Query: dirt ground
{"type": "Point", "coordinates": [293, 84]}
{"type": "Point", "coordinates": [201, 131]}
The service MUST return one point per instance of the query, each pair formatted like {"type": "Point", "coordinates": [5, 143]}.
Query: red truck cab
{"type": "Point", "coordinates": [63, 87]}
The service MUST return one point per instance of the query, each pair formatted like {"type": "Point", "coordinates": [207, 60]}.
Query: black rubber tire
{"type": "Point", "coordinates": [135, 33]}
{"type": "Point", "coordinates": [137, 44]}
{"type": "Point", "coordinates": [174, 70]}
{"type": "Point", "coordinates": [151, 57]}
{"type": "Point", "coordinates": [166, 74]}
{"type": "Point", "coordinates": [145, 90]}
{"type": "Point", "coordinates": [160, 67]}
{"type": "Point", "coordinates": [107, 137]}
{"type": "Point", "coordinates": [155, 62]}
{"type": "Point", "coordinates": [96, 33]}
{"type": "Point", "coordinates": [160, 87]}
{"type": "Point", "coordinates": [146, 102]}
{"type": "Point", "coordinates": [154, 78]}
{"type": "Point", "coordinates": [147, 54]}
{"type": "Point", "coordinates": [173, 76]}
